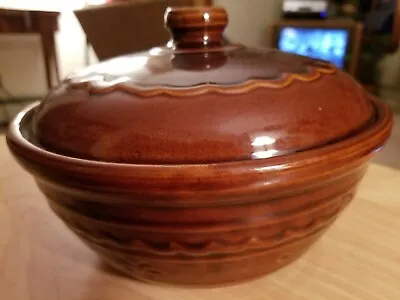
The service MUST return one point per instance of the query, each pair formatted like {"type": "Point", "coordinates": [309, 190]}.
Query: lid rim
{"type": "Point", "coordinates": [281, 153]}
{"type": "Point", "coordinates": [380, 128]}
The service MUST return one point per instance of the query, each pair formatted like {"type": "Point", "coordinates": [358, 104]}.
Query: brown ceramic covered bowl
{"type": "Point", "coordinates": [199, 163]}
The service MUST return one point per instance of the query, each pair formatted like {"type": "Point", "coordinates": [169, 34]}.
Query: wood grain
{"type": "Point", "coordinates": [359, 258]}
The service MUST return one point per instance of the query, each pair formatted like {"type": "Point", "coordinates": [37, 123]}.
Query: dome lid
{"type": "Point", "coordinates": [197, 100]}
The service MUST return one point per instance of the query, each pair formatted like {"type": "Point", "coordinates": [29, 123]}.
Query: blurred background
{"type": "Point", "coordinates": [43, 41]}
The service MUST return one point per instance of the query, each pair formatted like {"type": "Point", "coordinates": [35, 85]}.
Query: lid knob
{"type": "Point", "coordinates": [196, 27]}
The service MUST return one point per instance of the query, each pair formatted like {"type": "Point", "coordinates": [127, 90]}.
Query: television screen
{"type": "Point", "coordinates": [329, 44]}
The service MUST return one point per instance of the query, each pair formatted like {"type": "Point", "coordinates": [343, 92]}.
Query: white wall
{"type": "Point", "coordinates": [390, 71]}
{"type": "Point", "coordinates": [250, 20]}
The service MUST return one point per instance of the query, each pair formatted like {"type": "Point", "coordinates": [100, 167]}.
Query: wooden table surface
{"type": "Point", "coordinates": [358, 258]}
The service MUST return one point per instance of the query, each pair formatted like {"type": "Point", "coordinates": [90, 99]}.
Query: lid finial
{"type": "Point", "coordinates": [196, 27]}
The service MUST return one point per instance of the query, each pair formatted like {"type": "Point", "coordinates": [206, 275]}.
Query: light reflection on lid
{"type": "Point", "coordinates": [265, 154]}
{"type": "Point", "coordinates": [263, 147]}
{"type": "Point", "coordinates": [262, 141]}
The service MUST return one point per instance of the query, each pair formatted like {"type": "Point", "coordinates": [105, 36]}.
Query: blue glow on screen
{"type": "Point", "coordinates": [321, 43]}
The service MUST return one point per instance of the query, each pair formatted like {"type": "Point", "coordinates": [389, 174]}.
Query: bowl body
{"type": "Point", "coordinates": [200, 224]}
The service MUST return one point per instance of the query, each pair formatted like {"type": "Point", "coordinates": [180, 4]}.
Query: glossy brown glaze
{"type": "Point", "coordinates": [201, 182]}
{"type": "Point", "coordinates": [203, 128]}
{"type": "Point", "coordinates": [194, 28]}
